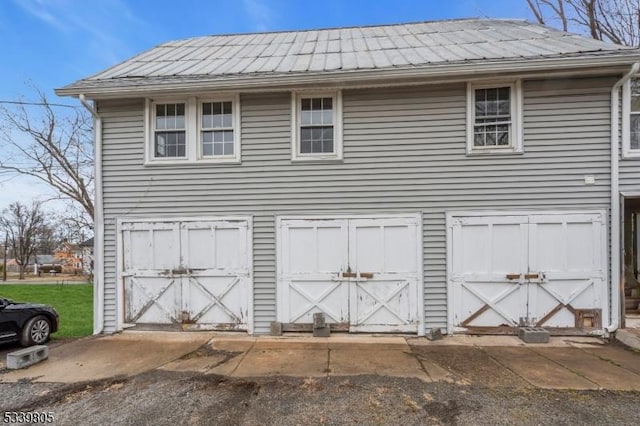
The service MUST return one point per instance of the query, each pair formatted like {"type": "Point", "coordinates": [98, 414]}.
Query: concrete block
{"type": "Point", "coordinates": [434, 334]}
{"type": "Point", "coordinates": [276, 328]}
{"type": "Point", "coordinates": [27, 356]}
{"type": "Point", "coordinates": [322, 332]}
{"type": "Point", "coordinates": [318, 320]}
{"type": "Point", "coordinates": [533, 335]}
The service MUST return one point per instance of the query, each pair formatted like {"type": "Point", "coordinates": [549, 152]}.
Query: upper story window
{"type": "Point", "coordinates": [494, 118]}
{"type": "Point", "coordinates": [631, 118]}
{"type": "Point", "coordinates": [316, 126]}
{"type": "Point", "coordinates": [169, 133]}
{"type": "Point", "coordinates": [193, 130]}
{"type": "Point", "coordinates": [217, 138]}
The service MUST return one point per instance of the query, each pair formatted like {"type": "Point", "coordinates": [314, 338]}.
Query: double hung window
{"type": "Point", "coordinates": [494, 118]}
{"type": "Point", "coordinates": [169, 136]}
{"type": "Point", "coordinates": [193, 130]}
{"type": "Point", "coordinates": [317, 126]}
{"type": "Point", "coordinates": [217, 129]}
{"type": "Point", "coordinates": [631, 118]}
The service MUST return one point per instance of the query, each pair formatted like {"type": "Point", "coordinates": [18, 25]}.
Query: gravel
{"type": "Point", "coordinates": [168, 398]}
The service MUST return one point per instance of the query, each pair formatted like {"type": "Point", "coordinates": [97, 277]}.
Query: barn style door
{"type": "Point", "coordinates": [384, 291]}
{"type": "Point", "coordinates": [151, 254]}
{"type": "Point", "coordinates": [546, 270]}
{"type": "Point", "coordinates": [569, 254]}
{"type": "Point", "coordinates": [363, 274]}
{"type": "Point", "coordinates": [197, 273]}
{"type": "Point", "coordinates": [488, 257]}
{"type": "Point", "coordinates": [313, 256]}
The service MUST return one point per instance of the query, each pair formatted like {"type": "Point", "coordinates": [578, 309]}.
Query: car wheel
{"type": "Point", "coordinates": [36, 331]}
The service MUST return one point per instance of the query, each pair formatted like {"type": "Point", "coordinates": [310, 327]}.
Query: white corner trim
{"type": "Point", "coordinates": [422, 326]}
{"type": "Point", "coordinates": [98, 242]}
{"type": "Point", "coordinates": [449, 269]}
{"type": "Point", "coordinates": [517, 128]}
{"type": "Point", "coordinates": [296, 97]}
{"type": "Point", "coordinates": [120, 324]}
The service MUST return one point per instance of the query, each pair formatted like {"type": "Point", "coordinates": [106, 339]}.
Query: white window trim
{"type": "Point", "coordinates": [296, 106]}
{"type": "Point", "coordinates": [627, 152]}
{"type": "Point", "coordinates": [516, 136]}
{"type": "Point", "coordinates": [235, 111]}
{"type": "Point", "coordinates": [149, 127]}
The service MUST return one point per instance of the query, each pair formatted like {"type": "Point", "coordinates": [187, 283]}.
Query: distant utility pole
{"type": "Point", "coordinates": [4, 261]}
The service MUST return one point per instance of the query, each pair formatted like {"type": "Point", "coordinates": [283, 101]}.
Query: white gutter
{"type": "Point", "coordinates": [615, 201]}
{"type": "Point", "coordinates": [98, 238]}
{"type": "Point", "coordinates": [144, 84]}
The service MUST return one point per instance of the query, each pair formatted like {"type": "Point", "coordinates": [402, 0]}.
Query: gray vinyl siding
{"type": "Point", "coordinates": [630, 175]}
{"type": "Point", "coordinates": [404, 151]}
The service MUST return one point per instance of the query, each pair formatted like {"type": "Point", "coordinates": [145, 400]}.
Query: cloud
{"type": "Point", "coordinates": [261, 14]}
{"type": "Point", "coordinates": [99, 22]}
{"type": "Point", "coordinates": [25, 189]}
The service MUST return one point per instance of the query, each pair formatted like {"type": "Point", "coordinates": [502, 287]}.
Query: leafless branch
{"type": "Point", "coordinates": [52, 147]}
{"type": "Point", "coordinates": [616, 21]}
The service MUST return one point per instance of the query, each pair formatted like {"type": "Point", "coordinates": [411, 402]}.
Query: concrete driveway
{"type": "Point", "coordinates": [498, 361]}
{"type": "Point", "coordinates": [96, 358]}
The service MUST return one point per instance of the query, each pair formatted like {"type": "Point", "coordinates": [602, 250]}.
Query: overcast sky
{"type": "Point", "coordinates": [50, 43]}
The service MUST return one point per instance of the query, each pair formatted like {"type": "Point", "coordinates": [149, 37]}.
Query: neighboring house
{"type": "Point", "coordinates": [70, 256]}
{"type": "Point", "coordinates": [46, 262]}
{"type": "Point", "coordinates": [35, 263]}
{"type": "Point", "coordinates": [12, 265]}
{"type": "Point", "coordinates": [453, 174]}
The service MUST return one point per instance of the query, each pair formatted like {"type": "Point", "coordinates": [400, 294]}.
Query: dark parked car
{"type": "Point", "coordinates": [28, 323]}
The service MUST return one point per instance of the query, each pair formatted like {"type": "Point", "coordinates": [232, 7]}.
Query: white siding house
{"type": "Point", "coordinates": [455, 174]}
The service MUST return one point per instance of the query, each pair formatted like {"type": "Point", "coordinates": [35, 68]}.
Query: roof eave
{"type": "Point", "coordinates": [360, 77]}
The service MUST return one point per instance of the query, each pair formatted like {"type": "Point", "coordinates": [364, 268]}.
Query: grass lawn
{"type": "Point", "coordinates": [74, 303]}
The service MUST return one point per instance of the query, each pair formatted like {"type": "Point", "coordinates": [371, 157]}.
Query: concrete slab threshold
{"type": "Point", "coordinates": [629, 337]}
{"type": "Point", "coordinates": [538, 370]}
{"type": "Point", "coordinates": [497, 361]}
{"type": "Point", "coordinates": [606, 375]}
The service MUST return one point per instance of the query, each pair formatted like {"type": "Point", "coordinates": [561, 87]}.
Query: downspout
{"type": "Point", "coordinates": [615, 201]}
{"type": "Point", "coordinates": [98, 246]}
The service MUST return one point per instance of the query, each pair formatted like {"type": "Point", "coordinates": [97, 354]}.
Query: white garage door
{"type": "Point", "coordinates": [362, 273]}
{"type": "Point", "coordinates": [545, 270]}
{"type": "Point", "coordinates": [197, 273]}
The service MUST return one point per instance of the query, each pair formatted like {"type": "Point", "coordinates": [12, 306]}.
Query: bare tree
{"type": "Point", "coordinates": [49, 239]}
{"type": "Point", "coordinates": [23, 225]}
{"type": "Point", "coordinates": [617, 21]}
{"type": "Point", "coordinates": [52, 146]}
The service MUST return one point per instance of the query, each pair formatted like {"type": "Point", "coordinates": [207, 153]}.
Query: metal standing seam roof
{"type": "Point", "coordinates": [349, 49]}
